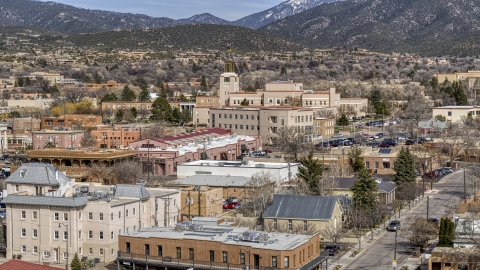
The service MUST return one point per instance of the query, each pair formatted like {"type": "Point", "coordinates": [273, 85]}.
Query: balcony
{"type": "Point", "coordinates": [174, 263]}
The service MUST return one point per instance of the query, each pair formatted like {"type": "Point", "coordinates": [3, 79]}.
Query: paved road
{"type": "Point", "coordinates": [379, 256]}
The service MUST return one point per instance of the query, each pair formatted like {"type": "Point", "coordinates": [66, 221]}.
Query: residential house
{"type": "Point", "coordinates": [291, 211]}
{"type": "Point", "coordinates": [448, 258]}
{"type": "Point", "coordinates": [432, 127]}
{"type": "Point", "coordinates": [386, 190]}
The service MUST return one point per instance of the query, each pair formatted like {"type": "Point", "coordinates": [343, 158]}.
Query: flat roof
{"type": "Point", "coordinates": [227, 235]}
{"type": "Point", "coordinates": [213, 181]}
{"type": "Point", "coordinates": [239, 164]}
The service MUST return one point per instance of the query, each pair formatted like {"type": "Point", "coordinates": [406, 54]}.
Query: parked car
{"type": "Point", "coordinates": [390, 142]}
{"type": "Point", "coordinates": [231, 205]}
{"type": "Point", "coordinates": [338, 135]}
{"type": "Point", "coordinates": [332, 249]}
{"type": "Point", "coordinates": [384, 145]}
{"type": "Point", "coordinates": [435, 220]}
{"type": "Point", "coordinates": [394, 225]}
{"type": "Point", "coordinates": [449, 169]}
{"type": "Point", "coordinates": [3, 213]}
{"type": "Point", "coordinates": [410, 142]}
{"type": "Point", "coordinates": [232, 199]}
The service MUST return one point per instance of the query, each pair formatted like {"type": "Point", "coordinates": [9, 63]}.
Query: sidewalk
{"type": "Point", "coordinates": [346, 260]}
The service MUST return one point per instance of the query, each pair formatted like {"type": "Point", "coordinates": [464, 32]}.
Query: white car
{"type": "Point", "coordinates": [338, 135]}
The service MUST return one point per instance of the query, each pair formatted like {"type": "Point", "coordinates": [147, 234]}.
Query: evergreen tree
{"type": "Point", "coordinates": [203, 84]}
{"type": "Point", "coordinates": [446, 233]}
{"type": "Point", "coordinates": [186, 116]}
{"type": "Point", "coordinates": [375, 97]}
{"type": "Point", "coordinates": [109, 97]}
{"type": "Point", "coordinates": [182, 98]}
{"type": "Point", "coordinates": [134, 112]}
{"type": "Point", "coordinates": [119, 116]}
{"type": "Point", "coordinates": [244, 102]}
{"type": "Point", "coordinates": [76, 265]}
{"type": "Point", "coordinates": [343, 121]}
{"type": "Point", "coordinates": [356, 159]}
{"type": "Point", "coordinates": [404, 167]}
{"type": "Point", "coordinates": [161, 110]}
{"type": "Point", "coordinates": [140, 82]}
{"type": "Point", "coordinates": [177, 115]}
{"type": "Point", "coordinates": [54, 90]}
{"type": "Point", "coordinates": [127, 94]}
{"type": "Point", "coordinates": [144, 95]}
{"type": "Point", "coordinates": [459, 94]}
{"type": "Point", "coordinates": [310, 170]}
{"type": "Point", "coordinates": [364, 190]}
{"type": "Point", "coordinates": [257, 85]}
{"type": "Point", "coordinates": [250, 89]}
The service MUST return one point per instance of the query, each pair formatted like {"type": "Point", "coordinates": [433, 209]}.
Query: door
{"type": "Point", "coordinates": [256, 261]}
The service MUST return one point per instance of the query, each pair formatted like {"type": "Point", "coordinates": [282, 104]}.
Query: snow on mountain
{"type": "Point", "coordinates": [284, 9]}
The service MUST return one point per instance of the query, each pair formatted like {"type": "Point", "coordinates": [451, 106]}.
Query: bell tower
{"type": "Point", "coordinates": [229, 82]}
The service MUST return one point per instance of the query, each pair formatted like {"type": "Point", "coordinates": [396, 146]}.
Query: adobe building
{"type": "Point", "coordinates": [116, 136]}
{"type": "Point", "coordinates": [71, 121]}
{"type": "Point", "coordinates": [204, 242]}
{"type": "Point", "coordinates": [201, 201]}
{"type": "Point", "coordinates": [57, 138]}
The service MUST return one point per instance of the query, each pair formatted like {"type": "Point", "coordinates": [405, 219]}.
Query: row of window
{"type": "Point", "coordinates": [252, 127]}
{"type": "Point", "coordinates": [386, 165]}
{"type": "Point", "coordinates": [56, 234]}
{"type": "Point", "coordinates": [191, 255]}
{"type": "Point", "coordinates": [46, 254]}
{"type": "Point", "coordinates": [127, 106]}
{"type": "Point", "coordinates": [236, 116]}
{"type": "Point", "coordinates": [208, 100]}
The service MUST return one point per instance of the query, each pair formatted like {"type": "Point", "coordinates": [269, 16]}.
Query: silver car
{"type": "Point", "coordinates": [394, 225]}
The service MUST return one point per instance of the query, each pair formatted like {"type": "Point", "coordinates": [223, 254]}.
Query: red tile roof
{"type": "Point", "coordinates": [21, 265]}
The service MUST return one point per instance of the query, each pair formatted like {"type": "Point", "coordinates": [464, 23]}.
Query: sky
{"type": "Point", "coordinates": [178, 9]}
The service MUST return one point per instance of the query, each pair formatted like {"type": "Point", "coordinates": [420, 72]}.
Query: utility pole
{"type": "Point", "coordinates": [199, 203]}
{"type": "Point", "coordinates": [189, 203]}
{"type": "Point", "coordinates": [394, 262]}
{"type": "Point", "coordinates": [428, 205]}
{"type": "Point", "coordinates": [464, 185]}
{"type": "Point", "coordinates": [148, 161]}
{"type": "Point", "coordinates": [383, 115]}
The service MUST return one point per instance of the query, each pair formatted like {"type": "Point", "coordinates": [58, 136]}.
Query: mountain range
{"type": "Point", "coordinates": [429, 27]}
{"type": "Point", "coordinates": [68, 19]}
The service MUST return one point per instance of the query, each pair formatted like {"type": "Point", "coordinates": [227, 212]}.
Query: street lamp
{"type": "Point", "coordinates": [66, 243]}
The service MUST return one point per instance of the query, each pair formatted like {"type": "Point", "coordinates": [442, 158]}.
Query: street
{"type": "Point", "coordinates": [381, 253]}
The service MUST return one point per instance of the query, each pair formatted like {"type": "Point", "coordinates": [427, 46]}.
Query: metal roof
{"type": "Point", "coordinates": [347, 183]}
{"type": "Point", "coordinates": [213, 181]}
{"type": "Point", "coordinates": [301, 207]}
{"type": "Point", "coordinates": [38, 174]}
{"type": "Point", "coordinates": [132, 191]}
{"type": "Point", "coordinates": [46, 200]}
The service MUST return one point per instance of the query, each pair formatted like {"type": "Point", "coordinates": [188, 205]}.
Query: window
{"type": "Point", "coordinates": [34, 215]}
{"type": "Point", "coordinates": [224, 257]}
{"type": "Point", "coordinates": [285, 262]}
{"type": "Point", "coordinates": [65, 235]}
{"type": "Point", "coordinates": [65, 216]}
{"type": "Point", "coordinates": [35, 250]}
{"type": "Point", "coordinates": [305, 225]}
{"type": "Point", "coordinates": [55, 216]}
{"type": "Point", "coordinates": [112, 235]}
{"type": "Point", "coordinates": [126, 213]}
{"type": "Point", "coordinates": [35, 233]}
{"type": "Point", "coordinates": [386, 165]}
{"type": "Point", "coordinates": [55, 234]}
{"type": "Point", "coordinates": [127, 247]}
{"type": "Point", "coordinates": [23, 232]}
{"type": "Point", "coordinates": [134, 211]}
{"type": "Point", "coordinates": [147, 249]}
{"type": "Point", "coordinates": [100, 235]}
{"type": "Point", "coordinates": [90, 251]}
{"type": "Point", "coordinates": [191, 254]}
{"type": "Point", "coordinates": [65, 255]}
{"type": "Point", "coordinates": [376, 164]}
{"type": "Point", "coordinates": [100, 216]}
{"type": "Point", "coordinates": [111, 216]}
{"type": "Point", "coordinates": [274, 261]}
{"type": "Point", "coordinates": [80, 215]}
{"type": "Point", "coordinates": [367, 165]}
{"type": "Point", "coordinates": [24, 249]}
{"type": "Point", "coordinates": [290, 225]}
{"type": "Point", "coordinates": [17, 188]}
{"type": "Point", "coordinates": [212, 255]}
{"type": "Point", "coordinates": [113, 252]}
{"type": "Point", "coordinates": [90, 215]}
{"type": "Point", "coordinates": [179, 252]}
{"type": "Point", "coordinates": [80, 251]}
{"type": "Point", "coordinates": [79, 234]}
{"type": "Point", "coordinates": [119, 214]}
{"type": "Point", "coordinates": [159, 251]}
{"type": "Point", "coordinates": [449, 113]}
{"type": "Point", "coordinates": [275, 225]}
{"type": "Point", "coordinates": [90, 234]}
{"type": "Point", "coordinates": [242, 258]}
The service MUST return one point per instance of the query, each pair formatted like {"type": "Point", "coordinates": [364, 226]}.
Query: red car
{"type": "Point", "coordinates": [384, 145]}
{"type": "Point", "coordinates": [230, 205]}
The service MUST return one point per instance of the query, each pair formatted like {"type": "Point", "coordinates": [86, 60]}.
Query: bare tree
{"type": "Point", "coordinates": [76, 95]}
{"type": "Point", "coordinates": [418, 231]}
{"type": "Point", "coordinates": [347, 109]}
{"type": "Point", "coordinates": [89, 140]}
{"type": "Point", "coordinates": [292, 141]}
{"type": "Point", "coordinates": [261, 186]}
{"type": "Point", "coordinates": [334, 233]}
{"type": "Point", "coordinates": [127, 172]}
{"type": "Point", "coordinates": [157, 130]}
